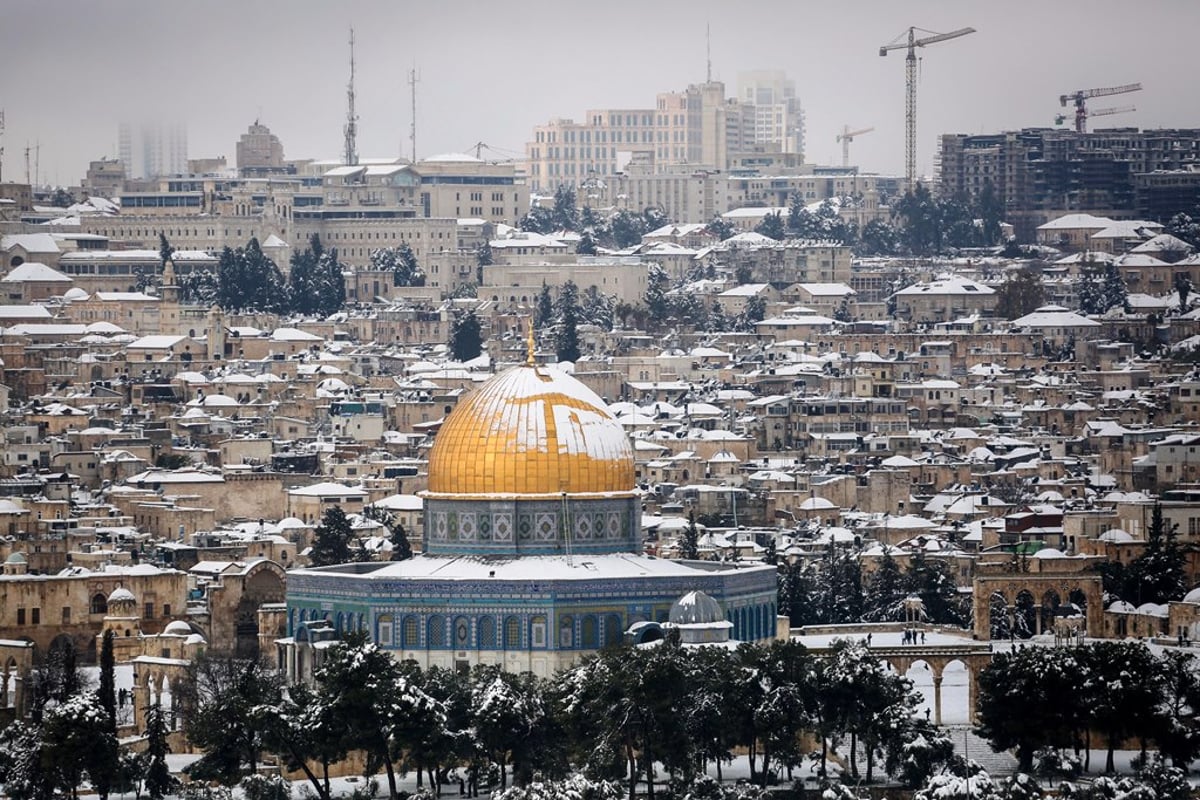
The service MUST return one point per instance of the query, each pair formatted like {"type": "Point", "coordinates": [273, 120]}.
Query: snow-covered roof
{"type": "Point", "coordinates": [35, 271]}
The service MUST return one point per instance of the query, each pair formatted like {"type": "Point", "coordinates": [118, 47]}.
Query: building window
{"type": "Point", "coordinates": [37, 616]}
{"type": "Point", "coordinates": [66, 615]}
{"type": "Point", "coordinates": [566, 632]}
{"type": "Point", "coordinates": [512, 633]}
{"type": "Point", "coordinates": [410, 633]}
{"type": "Point", "coordinates": [385, 631]}
{"type": "Point", "coordinates": [436, 635]}
{"type": "Point", "coordinates": [99, 604]}
{"type": "Point", "coordinates": [487, 633]}
{"type": "Point", "coordinates": [537, 631]}
{"type": "Point", "coordinates": [148, 611]}
{"type": "Point", "coordinates": [20, 616]}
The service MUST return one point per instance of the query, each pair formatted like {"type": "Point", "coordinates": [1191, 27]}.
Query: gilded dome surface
{"type": "Point", "coordinates": [531, 431]}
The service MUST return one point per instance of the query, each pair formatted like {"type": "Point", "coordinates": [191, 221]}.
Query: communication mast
{"type": "Point", "coordinates": [351, 127]}
{"type": "Point", "coordinates": [413, 78]}
{"type": "Point", "coordinates": [1, 145]}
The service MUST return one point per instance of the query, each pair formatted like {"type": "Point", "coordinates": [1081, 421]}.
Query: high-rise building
{"type": "Point", "coordinates": [152, 149]}
{"type": "Point", "coordinates": [259, 151]}
{"type": "Point", "coordinates": [697, 127]}
{"type": "Point", "coordinates": [777, 115]}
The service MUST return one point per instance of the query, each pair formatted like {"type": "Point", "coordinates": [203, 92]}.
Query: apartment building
{"type": "Point", "coordinates": [1041, 173]}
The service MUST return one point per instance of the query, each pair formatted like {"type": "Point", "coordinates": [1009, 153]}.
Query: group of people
{"type": "Point", "coordinates": [911, 634]}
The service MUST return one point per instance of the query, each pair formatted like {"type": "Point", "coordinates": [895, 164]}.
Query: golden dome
{"type": "Point", "coordinates": [531, 431]}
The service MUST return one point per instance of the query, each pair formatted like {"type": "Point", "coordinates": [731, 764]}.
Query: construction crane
{"type": "Point", "coordinates": [1081, 96]}
{"type": "Point", "coordinates": [910, 68]}
{"type": "Point", "coordinates": [1059, 119]}
{"type": "Point", "coordinates": [846, 137]}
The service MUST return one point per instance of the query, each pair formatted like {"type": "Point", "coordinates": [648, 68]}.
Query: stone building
{"type": "Point", "coordinates": [531, 551]}
{"type": "Point", "coordinates": [74, 603]}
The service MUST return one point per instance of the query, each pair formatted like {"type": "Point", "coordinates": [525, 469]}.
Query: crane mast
{"type": "Point", "coordinates": [1080, 97]}
{"type": "Point", "coordinates": [846, 137]}
{"type": "Point", "coordinates": [910, 74]}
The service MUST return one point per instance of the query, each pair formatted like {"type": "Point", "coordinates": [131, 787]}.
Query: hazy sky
{"type": "Point", "coordinates": [492, 70]}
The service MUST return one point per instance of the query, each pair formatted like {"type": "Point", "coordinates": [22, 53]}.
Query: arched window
{"type": "Point", "coordinates": [487, 633]}
{"type": "Point", "coordinates": [512, 633]}
{"type": "Point", "coordinates": [99, 604]}
{"type": "Point", "coordinates": [612, 629]}
{"type": "Point", "coordinates": [410, 634]}
{"type": "Point", "coordinates": [566, 632]}
{"type": "Point", "coordinates": [436, 636]}
{"type": "Point", "coordinates": [591, 633]}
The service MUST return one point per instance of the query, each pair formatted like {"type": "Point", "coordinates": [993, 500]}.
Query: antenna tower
{"type": "Point", "coordinates": [351, 128]}
{"type": "Point", "coordinates": [1, 144]}
{"type": "Point", "coordinates": [413, 78]}
{"type": "Point", "coordinates": [708, 51]}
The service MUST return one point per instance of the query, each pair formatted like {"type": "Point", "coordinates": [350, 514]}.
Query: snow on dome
{"type": "Point", "coordinates": [195, 638]}
{"type": "Point", "coordinates": [19, 558]}
{"type": "Point", "coordinates": [178, 628]}
{"type": "Point", "coordinates": [121, 595]}
{"type": "Point", "coordinates": [1152, 609]}
{"type": "Point", "coordinates": [528, 431]}
{"type": "Point", "coordinates": [75, 293]}
{"type": "Point", "coordinates": [1121, 607]}
{"type": "Point", "coordinates": [1116, 535]}
{"type": "Point", "coordinates": [1049, 552]}
{"type": "Point", "coordinates": [696, 608]}
{"type": "Point", "coordinates": [1193, 596]}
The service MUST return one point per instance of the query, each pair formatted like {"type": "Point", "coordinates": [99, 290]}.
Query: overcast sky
{"type": "Point", "coordinates": [490, 71]}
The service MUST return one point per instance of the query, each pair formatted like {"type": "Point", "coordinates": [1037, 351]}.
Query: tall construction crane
{"type": "Point", "coordinates": [846, 137]}
{"type": "Point", "coordinates": [910, 68]}
{"type": "Point", "coordinates": [1081, 96]}
{"type": "Point", "coordinates": [1059, 119]}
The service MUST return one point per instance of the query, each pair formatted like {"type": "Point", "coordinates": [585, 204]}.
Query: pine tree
{"type": "Point", "coordinates": [689, 544]}
{"type": "Point", "coordinates": [466, 336]}
{"type": "Point", "coordinates": [165, 251]}
{"type": "Point", "coordinates": [721, 228]}
{"type": "Point", "coordinates": [566, 215]}
{"type": "Point", "coordinates": [587, 245]}
{"type": "Point", "coordinates": [159, 782]}
{"type": "Point", "coordinates": [545, 308]}
{"type": "Point", "coordinates": [401, 547]}
{"type": "Point", "coordinates": [1115, 293]}
{"type": "Point", "coordinates": [332, 538]}
{"type": "Point", "coordinates": [329, 284]}
{"type": "Point", "coordinates": [567, 334]}
{"type": "Point", "coordinates": [885, 592]}
{"type": "Point", "coordinates": [772, 226]}
{"type": "Point", "coordinates": [598, 308]}
{"type": "Point", "coordinates": [483, 254]}
{"type": "Point", "coordinates": [656, 292]}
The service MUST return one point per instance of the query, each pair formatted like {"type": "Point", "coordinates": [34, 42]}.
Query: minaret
{"type": "Point", "coordinates": [351, 128]}
{"type": "Point", "coordinates": [169, 290]}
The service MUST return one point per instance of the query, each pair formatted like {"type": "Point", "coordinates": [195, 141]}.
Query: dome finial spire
{"type": "Point", "coordinates": [531, 346]}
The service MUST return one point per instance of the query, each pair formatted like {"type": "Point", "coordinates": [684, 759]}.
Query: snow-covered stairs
{"type": "Point", "coordinates": [979, 751]}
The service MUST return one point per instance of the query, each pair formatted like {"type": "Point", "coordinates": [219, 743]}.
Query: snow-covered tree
{"type": "Point", "coordinates": [976, 785]}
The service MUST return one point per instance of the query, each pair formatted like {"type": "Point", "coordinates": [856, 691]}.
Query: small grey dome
{"type": "Point", "coordinates": [121, 595]}
{"type": "Point", "coordinates": [696, 608]}
{"type": "Point", "coordinates": [16, 558]}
